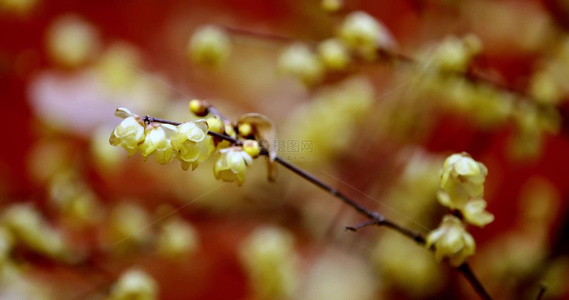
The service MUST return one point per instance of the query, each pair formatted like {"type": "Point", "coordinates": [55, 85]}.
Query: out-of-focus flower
{"type": "Point", "coordinates": [73, 199]}
{"type": "Point", "coordinates": [451, 241]}
{"type": "Point", "coordinates": [270, 261]}
{"type": "Point", "coordinates": [177, 238]}
{"type": "Point", "coordinates": [71, 41]}
{"type": "Point", "coordinates": [331, 5]}
{"type": "Point", "coordinates": [391, 257]}
{"type": "Point", "coordinates": [134, 285]}
{"type": "Point", "coordinates": [128, 227]}
{"type": "Point", "coordinates": [130, 133]}
{"type": "Point", "coordinates": [462, 178]}
{"type": "Point", "coordinates": [119, 66]}
{"type": "Point", "coordinates": [328, 120]}
{"type": "Point", "coordinates": [326, 278]}
{"type": "Point", "coordinates": [232, 164]}
{"type": "Point", "coordinates": [299, 61]}
{"type": "Point", "coordinates": [209, 45]}
{"type": "Point", "coordinates": [29, 228]}
{"type": "Point", "coordinates": [192, 143]}
{"type": "Point", "coordinates": [365, 34]}
{"type": "Point", "coordinates": [20, 7]}
{"type": "Point", "coordinates": [454, 54]}
{"type": "Point", "coordinates": [334, 54]}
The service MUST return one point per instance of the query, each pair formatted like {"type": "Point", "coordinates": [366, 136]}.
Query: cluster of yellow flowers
{"type": "Point", "coordinates": [462, 189]}
{"type": "Point", "coordinates": [359, 36]}
{"type": "Point", "coordinates": [189, 142]}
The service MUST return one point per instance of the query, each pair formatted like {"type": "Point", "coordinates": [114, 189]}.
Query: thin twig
{"type": "Point", "coordinates": [542, 289]}
{"type": "Point", "coordinates": [360, 225]}
{"type": "Point", "coordinates": [374, 217]}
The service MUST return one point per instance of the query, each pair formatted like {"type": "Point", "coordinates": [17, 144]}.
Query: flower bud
{"type": "Point", "coordinates": [252, 148]}
{"type": "Point", "coordinates": [215, 125]}
{"type": "Point", "coordinates": [245, 129]}
{"type": "Point", "coordinates": [198, 107]}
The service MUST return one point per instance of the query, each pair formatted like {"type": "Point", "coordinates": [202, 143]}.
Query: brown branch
{"type": "Point", "coordinates": [542, 289]}
{"type": "Point", "coordinates": [375, 218]}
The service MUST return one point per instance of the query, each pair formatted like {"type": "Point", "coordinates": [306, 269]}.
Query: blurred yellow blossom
{"type": "Point", "coordinates": [299, 61]}
{"type": "Point", "coordinates": [176, 239]}
{"type": "Point", "coordinates": [364, 34]}
{"type": "Point", "coordinates": [71, 41]}
{"type": "Point", "coordinates": [334, 54]}
{"type": "Point", "coordinates": [134, 285]}
{"type": "Point", "coordinates": [209, 45]}
{"type": "Point", "coordinates": [270, 260]}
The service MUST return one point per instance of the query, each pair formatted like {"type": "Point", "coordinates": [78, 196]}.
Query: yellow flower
{"type": "Point", "coordinates": [251, 147]}
{"type": "Point", "coordinates": [298, 61]}
{"type": "Point", "coordinates": [192, 143]}
{"type": "Point", "coordinates": [130, 133]}
{"type": "Point", "coordinates": [462, 178]}
{"type": "Point", "coordinates": [158, 143]}
{"type": "Point", "coordinates": [331, 5]}
{"type": "Point", "coordinates": [232, 164]}
{"type": "Point", "coordinates": [451, 241]}
{"type": "Point", "coordinates": [71, 41]}
{"type": "Point", "coordinates": [362, 32]}
{"type": "Point", "coordinates": [177, 239]}
{"type": "Point", "coordinates": [134, 284]}
{"type": "Point", "coordinates": [475, 214]}
{"type": "Point", "coordinates": [270, 261]}
{"type": "Point", "coordinates": [209, 45]}
{"type": "Point", "coordinates": [334, 54]}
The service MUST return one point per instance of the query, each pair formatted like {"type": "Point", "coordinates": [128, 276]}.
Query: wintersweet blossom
{"type": "Point", "coordinates": [192, 143]}
{"type": "Point", "coordinates": [451, 241]}
{"type": "Point", "coordinates": [462, 178]}
{"type": "Point", "coordinates": [158, 143]}
{"type": "Point", "coordinates": [130, 133]}
{"type": "Point", "coordinates": [232, 164]}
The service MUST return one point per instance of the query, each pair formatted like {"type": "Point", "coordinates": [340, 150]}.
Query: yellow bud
{"type": "Point", "coordinates": [331, 5]}
{"type": "Point", "coordinates": [334, 54]}
{"type": "Point", "coordinates": [229, 130]}
{"type": "Point", "coordinates": [245, 129]}
{"type": "Point", "coordinates": [198, 107]}
{"type": "Point", "coordinates": [209, 45]}
{"type": "Point", "coordinates": [215, 125]}
{"type": "Point", "coordinates": [252, 148]}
